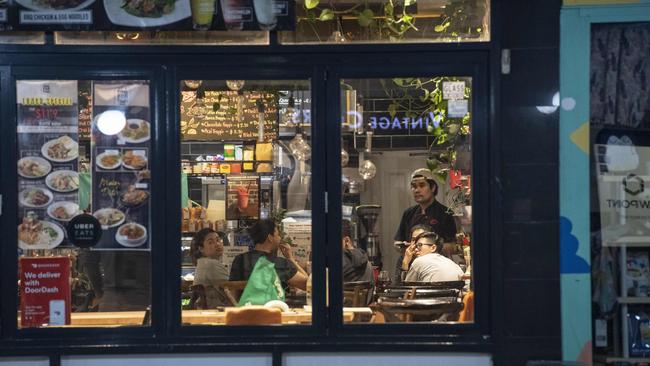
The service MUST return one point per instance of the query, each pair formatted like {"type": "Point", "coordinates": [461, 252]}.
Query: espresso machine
{"type": "Point", "coordinates": [369, 238]}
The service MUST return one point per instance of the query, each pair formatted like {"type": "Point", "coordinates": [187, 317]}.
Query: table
{"type": "Point", "coordinates": [200, 317]}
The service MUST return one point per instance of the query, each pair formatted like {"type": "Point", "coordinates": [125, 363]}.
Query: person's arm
{"type": "Point", "coordinates": [299, 280]}
{"type": "Point", "coordinates": [236, 269]}
{"type": "Point", "coordinates": [287, 252]}
{"type": "Point", "coordinates": [408, 257]}
{"type": "Point", "coordinates": [357, 257]}
{"type": "Point", "coordinates": [400, 235]}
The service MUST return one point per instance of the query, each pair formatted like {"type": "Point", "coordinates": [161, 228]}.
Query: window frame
{"type": "Point", "coordinates": [166, 68]}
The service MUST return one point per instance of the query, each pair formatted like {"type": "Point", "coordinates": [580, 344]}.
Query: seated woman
{"type": "Point", "coordinates": [207, 248]}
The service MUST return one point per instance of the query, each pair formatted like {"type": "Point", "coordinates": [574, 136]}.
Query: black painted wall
{"type": "Point", "coordinates": [530, 181]}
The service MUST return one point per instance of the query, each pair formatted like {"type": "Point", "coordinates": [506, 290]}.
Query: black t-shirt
{"type": "Point", "coordinates": [243, 265]}
{"type": "Point", "coordinates": [435, 215]}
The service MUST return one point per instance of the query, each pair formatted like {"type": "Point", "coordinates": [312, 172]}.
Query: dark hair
{"type": "Point", "coordinates": [261, 230]}
{"type": "Point", "coordinates": [425, 227]}
{"type": "Point", "coordinates": [437, 239]}
{"type": "Point", "coordinates": [197, 242]}
{"type": "Point", "coordinates": [346, 229]}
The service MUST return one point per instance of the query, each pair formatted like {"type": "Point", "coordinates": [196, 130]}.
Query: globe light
{"type": "Point", "coordinates": [111, 122]}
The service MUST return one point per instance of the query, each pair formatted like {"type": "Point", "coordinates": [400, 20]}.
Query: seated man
{"type": "Point", "coordinates": [356, 266]}
{"type": "Point", "coordinates": [429, 266]}
{"type": "Point", "coordinates": [267, 241]}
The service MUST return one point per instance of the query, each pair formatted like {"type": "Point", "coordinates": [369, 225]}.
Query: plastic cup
{"type": "Point", "coordinates": [202, 13]}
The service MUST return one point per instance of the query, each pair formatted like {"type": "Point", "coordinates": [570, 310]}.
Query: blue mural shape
{"type": "Point", "coordinates": [570, 262]}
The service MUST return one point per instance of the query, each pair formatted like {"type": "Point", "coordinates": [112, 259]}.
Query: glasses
{"type": "Point", "coordinates": [419, 245]}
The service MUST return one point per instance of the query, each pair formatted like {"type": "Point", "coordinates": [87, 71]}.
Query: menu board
{"type": "Point", "coordinates": [111, 15]}
{"type": "Point", "coordinates": [228, 115]}
{"type": "Point", "coordinates": [120, 166]}
{"type": "Point", "coordinates": [48, 151]}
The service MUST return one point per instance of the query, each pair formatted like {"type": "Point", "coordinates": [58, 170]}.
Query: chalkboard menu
{"type": "Point", "coordinates": [227, 115]}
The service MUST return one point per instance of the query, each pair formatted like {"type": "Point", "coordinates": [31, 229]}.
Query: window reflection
{"type": "Point", "coordinates": [246, 198]}
{"type": "Point", "coordinates": [406, 230]}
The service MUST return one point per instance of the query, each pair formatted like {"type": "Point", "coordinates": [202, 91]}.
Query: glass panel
{"type": "Point", "coordinates": [22, 38]}
{"type": "Point", "coordinates": [195, 38]}
{"type": "Point", "coordinates": [246, 198]}
{"type": "Point", "coordinates": [390, 21]}
{"type": "Point", "coordinates": [406, 230]}
{"type": "Point", "coordinates": [83, 205]}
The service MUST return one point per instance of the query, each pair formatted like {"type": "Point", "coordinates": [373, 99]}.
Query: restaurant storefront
{"type": "Point", "coordinates": [250, 192]}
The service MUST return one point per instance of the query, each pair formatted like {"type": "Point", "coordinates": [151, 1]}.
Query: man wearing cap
{"type": "Point", "coordinates": [427, 211]}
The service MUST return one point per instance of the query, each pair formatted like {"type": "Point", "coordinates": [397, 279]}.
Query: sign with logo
{"type": "Point", "coordinates": [84, 231]}
{"type": "Point", "coordinates": [623, 191]}
{"type": "Point", "coordinates": [44, 291]}
{"type": "Point", "coordinates": [452, 90]}
{"type": "Point", "coordinates": [134, 15]}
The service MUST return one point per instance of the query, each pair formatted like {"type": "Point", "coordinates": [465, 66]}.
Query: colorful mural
{"type": "Point", "coordinates": [576, 19]}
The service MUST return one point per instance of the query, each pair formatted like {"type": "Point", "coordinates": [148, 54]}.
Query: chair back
{"type": "Point", "coordinates": [233, 290]}
{"type": "Point", "coordinates": [198, 299]}
{"type": "Point", "coordinates": [357, 294]}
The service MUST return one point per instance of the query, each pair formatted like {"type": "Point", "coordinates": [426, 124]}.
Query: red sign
{"type": "Point", "coordinates": [44, 291]}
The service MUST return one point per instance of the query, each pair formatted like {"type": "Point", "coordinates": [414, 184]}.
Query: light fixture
{"type": "Point", "coordinates": [235, 85]}
{"type": "Point", "coordinates": [111, 122]}
{"type": "Point", "coordinates": [193, 84]}
{"type": "Point", "coordinates": [367, 169]}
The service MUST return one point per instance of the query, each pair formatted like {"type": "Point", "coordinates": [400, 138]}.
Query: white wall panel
{"type": "Point", "coordinates": [24, 361]}
{"type": "Point", "coordinates": [170, 360]}
{"type": "Point", "coordinates": [385, 359]}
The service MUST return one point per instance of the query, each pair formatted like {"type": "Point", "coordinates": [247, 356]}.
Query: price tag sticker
{"type": "Point", "coordinates": [112, 152]}
{"type": "Point", "coordinates": [142, 185]}
{"type": "Point", "coordinates": [140, 153]}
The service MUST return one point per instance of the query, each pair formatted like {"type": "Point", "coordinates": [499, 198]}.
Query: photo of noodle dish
{"type": "Point", "coordinates": [44, 5]}
{"type": "Point", "coordinates": [146, 13]}
{"type": "Point", "coordinates": [33, 167]}
{"type": "Point", "coordinates": [63, 210]}
{"type": "Point", "coordinates": [61, 150]}
{"type": "Point", "coordinates": [133, 197]}
{"type": "Point", "coordinates": [108, 160]}
{"type": "Point", "coordinates": [134, 159]}
{"type": "Point", "coordinates": [109, 217]}
{"type": "Point", "coordinates": [131, 235]}
{"type": "Point", "coordinates": [148, 8]}
{"type": "Point", "coordinates": [63, 181]}
{"type": "Point", "coordinates": [136, 131]}
{"type": "Point", "coordinates": [35, 197]}
{"type": "Point", "coordinates": [38, 234]}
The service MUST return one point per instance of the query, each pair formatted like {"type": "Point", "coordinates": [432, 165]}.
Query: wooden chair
{"type": "Point", "coordinates": [198, 299]}
{"type": "Point", "coordinates": [233, 290]}
{"type": "Point", "coordinates": [356, 293]}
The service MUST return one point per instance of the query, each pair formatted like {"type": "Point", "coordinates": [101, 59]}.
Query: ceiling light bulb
{"type": "Point", "coordinates": [111, 122]}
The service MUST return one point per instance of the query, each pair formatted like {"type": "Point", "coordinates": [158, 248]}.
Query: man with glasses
{"type": "Point", "coordinates": [429, 266]}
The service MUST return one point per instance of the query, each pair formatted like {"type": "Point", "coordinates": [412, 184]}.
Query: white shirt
{"type": "Point", "coordinates": [433, 267]}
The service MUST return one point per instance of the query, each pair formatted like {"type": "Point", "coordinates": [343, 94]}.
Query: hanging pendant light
{"type": "Point", "coordinates": [287, 116]}
{"type": "Point", "coordinates": [367, 169]}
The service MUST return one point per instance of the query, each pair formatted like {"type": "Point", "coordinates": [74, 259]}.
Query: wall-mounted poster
{"type": "Point", "coordinates": [120, 164]}
{"type": "Point", "coordinates": [178, 15]}
{"type": "Point", "coordinates": [242, 197]}
{"type": "Point", "coordinates": [48, 152]}
{"type": "Point", "coordinates": [45, 291]}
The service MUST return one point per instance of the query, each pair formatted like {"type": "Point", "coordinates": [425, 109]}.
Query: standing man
{"type": "Point", "coordinates": [427, 211]}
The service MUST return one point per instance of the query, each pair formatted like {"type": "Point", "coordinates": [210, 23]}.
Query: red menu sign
{"type": "Point", "coordinates": [44, 291]}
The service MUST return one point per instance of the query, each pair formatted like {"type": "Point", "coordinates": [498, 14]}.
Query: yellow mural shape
{"type": "Point", "coordinates": [580, 137]}
{"type": "Point", "coordinates": [599, 2]}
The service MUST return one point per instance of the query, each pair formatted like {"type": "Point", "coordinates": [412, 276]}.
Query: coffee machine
{"type": "Point", "coordinates": [369, 238]}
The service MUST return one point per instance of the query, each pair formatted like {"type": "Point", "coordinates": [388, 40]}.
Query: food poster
{"type": "Point", "coordinates": [242, 197]}
{"type": "Point", "coordinates": [121, 184]}
{"type": "Point", "coordinates": [178, 15]}
{"type": "Point", "coordinates": [48, 179]}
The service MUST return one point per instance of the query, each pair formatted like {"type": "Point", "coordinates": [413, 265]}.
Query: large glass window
{"type": "Point", "coordinates": [389, 21]}
{"type": "Point", "coordinates": [83, 202]}
{"type": "Point", "coordinates": [407, 199]}
{"type": "Point", "coordinates": [246, 201]}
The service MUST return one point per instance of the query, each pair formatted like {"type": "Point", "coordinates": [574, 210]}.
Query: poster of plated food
{"type": "Point", "coordinates": [113, 15]}
{"type": "Point", "coordinates": [120, 158]}
{"type": "Point", "coordinates": [48, 152]}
